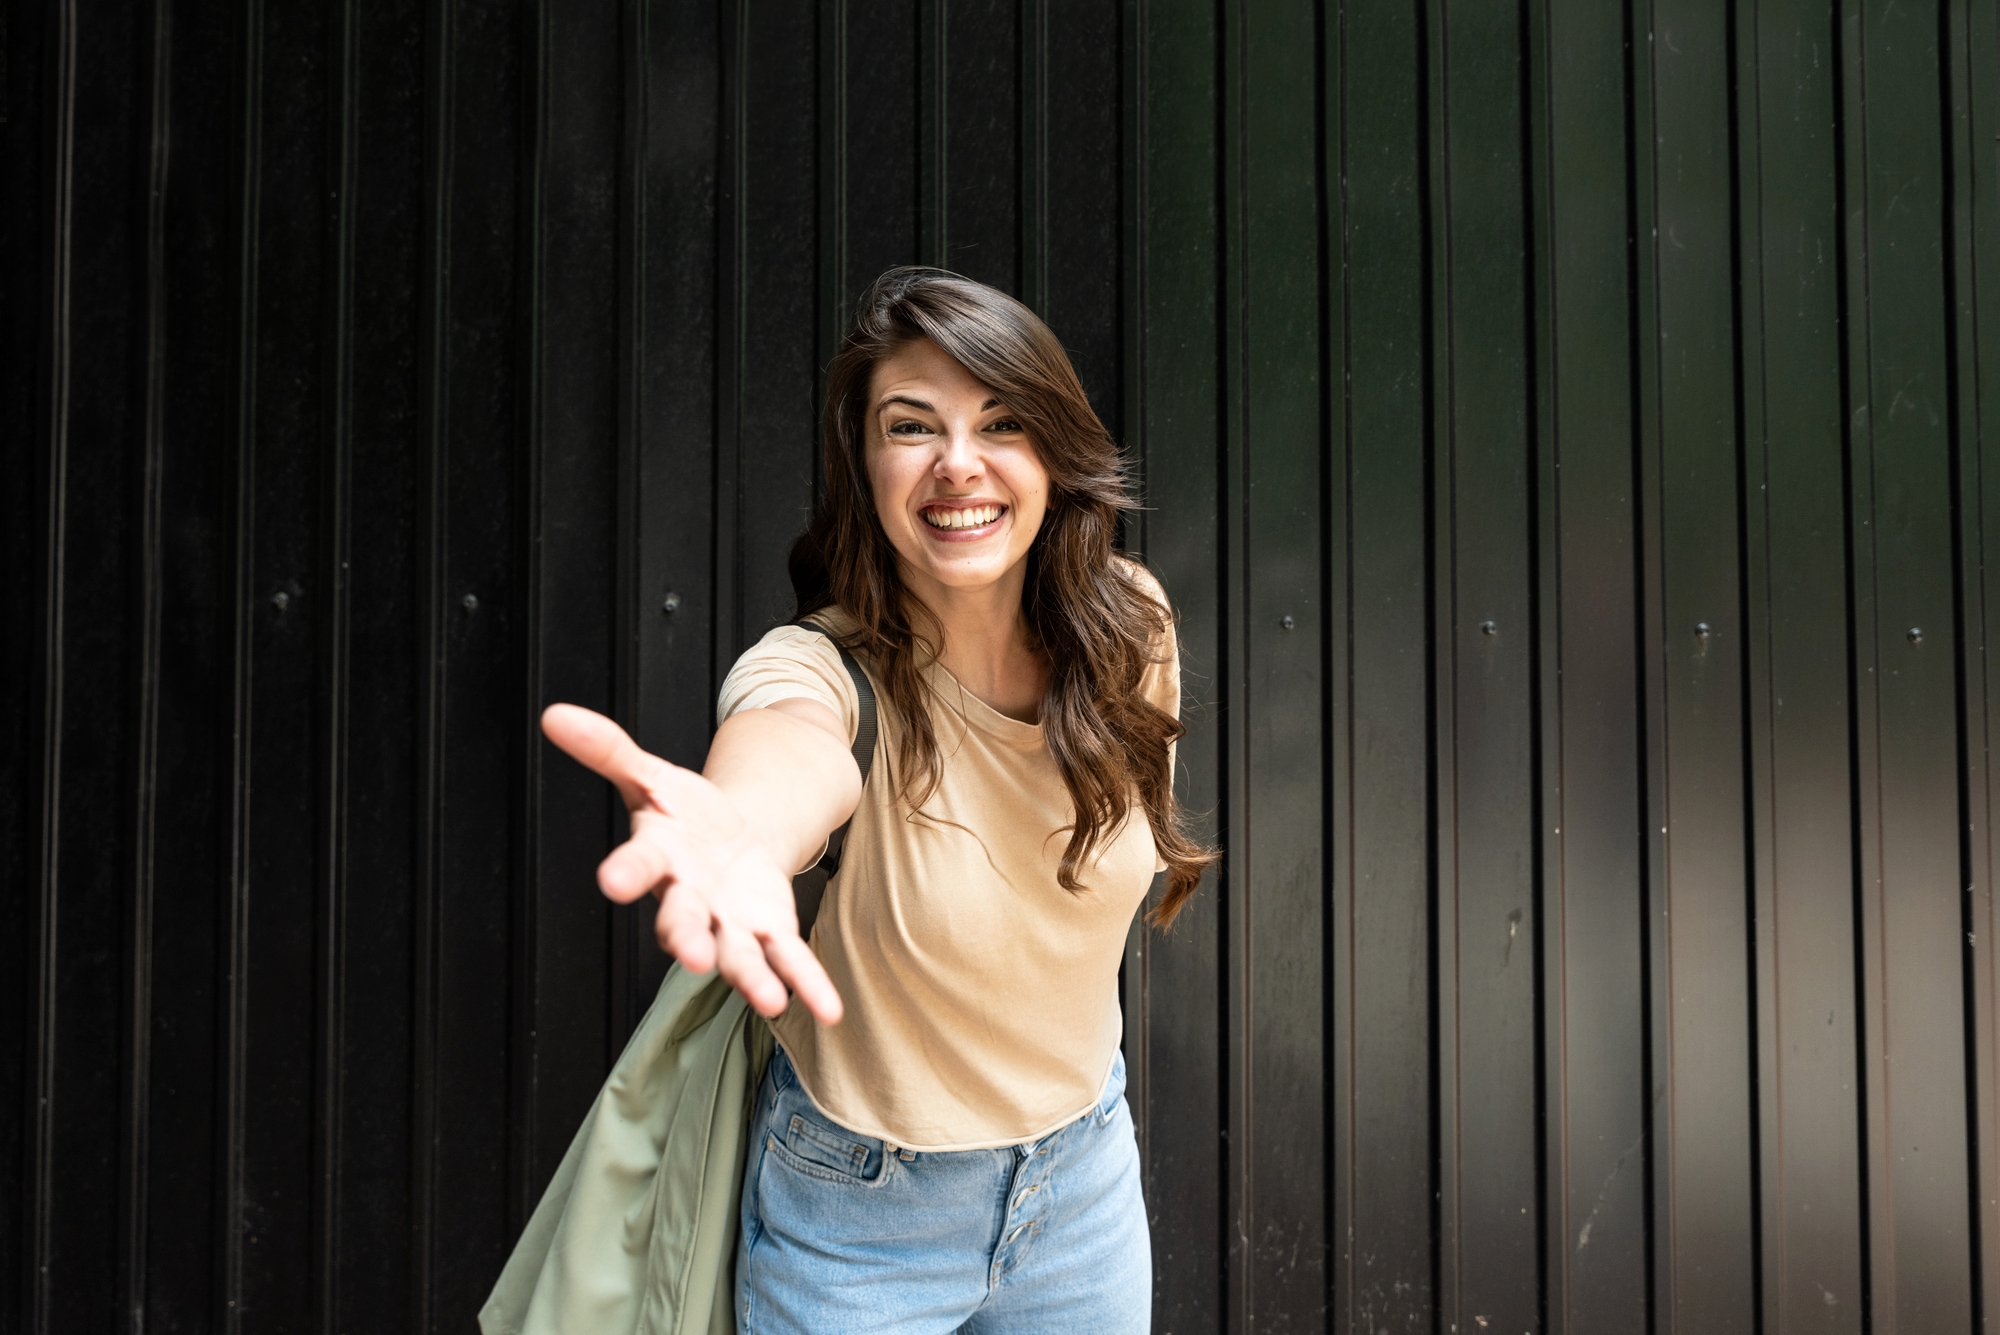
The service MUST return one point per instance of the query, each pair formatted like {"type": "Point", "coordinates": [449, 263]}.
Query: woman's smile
{"type": "Point", "coordinates": [963, 521]}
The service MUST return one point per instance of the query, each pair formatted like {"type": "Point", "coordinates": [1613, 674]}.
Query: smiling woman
{"type": "Point", "coordinates": [953, 1075]}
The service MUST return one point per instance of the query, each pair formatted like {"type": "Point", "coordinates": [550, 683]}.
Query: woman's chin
{"type": "Point", "coordinates": [961, 572]}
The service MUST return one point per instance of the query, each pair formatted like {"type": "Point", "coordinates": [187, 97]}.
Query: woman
{"type": "Point", "coordinates": [955, 1153]}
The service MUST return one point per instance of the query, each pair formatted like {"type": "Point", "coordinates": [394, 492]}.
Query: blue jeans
{"type": "Point", "coordinates": [839, 1236]}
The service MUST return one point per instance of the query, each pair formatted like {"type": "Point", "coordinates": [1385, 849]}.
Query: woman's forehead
{"type": "Point", "coordinates": [921, 367]}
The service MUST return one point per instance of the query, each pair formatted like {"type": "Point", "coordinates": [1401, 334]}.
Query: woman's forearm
{"type": "Point", "coordinates": [789, 773]}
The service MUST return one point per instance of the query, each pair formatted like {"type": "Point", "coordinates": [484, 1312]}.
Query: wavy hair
{"type": "Point", "coordinates": [1086, 609]}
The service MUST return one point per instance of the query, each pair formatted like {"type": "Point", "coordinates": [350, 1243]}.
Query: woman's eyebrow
{"type": "Point", "coordinates": [906, 400]}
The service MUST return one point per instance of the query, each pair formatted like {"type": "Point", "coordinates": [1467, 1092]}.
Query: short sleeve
{"type": "Point", "coordinates": [1161, 681]}
{"type": "Point", "coordinates": [791, 663]}
{"type": "Point", "coordinates": [1160, 684]}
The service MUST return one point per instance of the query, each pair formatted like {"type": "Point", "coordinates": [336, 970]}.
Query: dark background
{"type": "Point", "coordinates": [1562, 426]}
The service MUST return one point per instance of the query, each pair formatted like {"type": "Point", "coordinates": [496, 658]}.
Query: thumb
{"type": "Point", "coordinates": [604, 748]}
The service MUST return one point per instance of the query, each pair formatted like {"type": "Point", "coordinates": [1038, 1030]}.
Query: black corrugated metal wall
{"type": "Point", "coordinates": [1562, 429]}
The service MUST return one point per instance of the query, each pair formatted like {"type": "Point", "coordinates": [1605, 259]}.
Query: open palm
{"type": "Point", "coordinates": [724, 902]}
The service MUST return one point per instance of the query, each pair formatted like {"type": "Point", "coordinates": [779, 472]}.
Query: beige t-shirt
{"type": "Point", "coordinates": [981, 997]}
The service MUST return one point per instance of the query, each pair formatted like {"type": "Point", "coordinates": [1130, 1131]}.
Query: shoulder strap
{"type": "Point", "coordinates": [864, 739]}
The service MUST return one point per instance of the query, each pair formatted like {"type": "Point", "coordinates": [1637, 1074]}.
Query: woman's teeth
{"type": "Point", "coordinates": [971, 517]}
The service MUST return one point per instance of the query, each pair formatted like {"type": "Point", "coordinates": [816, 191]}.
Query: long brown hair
{"type": "Point", "coordinates": [1098, 626]}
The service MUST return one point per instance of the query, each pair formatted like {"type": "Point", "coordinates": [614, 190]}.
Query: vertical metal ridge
{"type": "Point", "coordinates": [627, 578]}
{"type": "Point", "coordinates": [1743, 336]}
{"type": "Point", "coordinates": [230, 1315]}
{"type": "Point", "coordinates": [1341, 923]}
{"type": "Point", "coordinates": [524, 1055]}
{"type": "Point", "coordinates": [731, 298]}
{"type": "Point", "coordinates": [1648, 697]}
{"type": "Point", "coordinates": [1539, 480]}
{"type": "Point", "coordinates": [832, 185]}
{"type": "Point", "coordinates": [1342, 1131]}
{"type": "Point", "coordinates": [63, 179]}
{"type": "Point", "coordinates": [433, 516]}
{"type": "Point", "coordinates": [1233, 501]}
{"type": "Point", "coordinates": [1850, 135]}
{"type": "Point", "coordinates": [1135, 186]}
{"type": "Point", "coordinates": [1034, 132]}
{"type": "Point", "coordinates": [1440, 659]}
{"type": "Point", "coordinates": [335, 645]}
{"type": "Point", "coordinates": [1548, 557]}
{"type": "Point", "coordinates": [1977, 67]}
{"type": "Point", "coordinates": [1850, 276]}
{"type": "Point", "coordinates": [1333, 572]}
{"type": "Point", "coordinates": [1958, 338]}
{"type": "Point", "coordinates": [135, 1207]}
{"type": "Point", "coordinates": [1964, 180]}
{"type": "Point", "coordinates": [1759, 681]}
{"type": "Point", "coordinates": [631, 357]}
{"type": "Point", "coordinates": [933, 144]}
{"type": "Point", "coordinates": [1648, 447]}
{"type": "Point", "coordinates": [829, 160]}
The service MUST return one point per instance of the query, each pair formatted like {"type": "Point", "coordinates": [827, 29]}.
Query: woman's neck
{"type": "Point", "coordinates": [987, 647]}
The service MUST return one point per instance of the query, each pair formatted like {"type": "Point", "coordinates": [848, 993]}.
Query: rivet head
{"type": "Point", "coordinates": [1286, 623]}
{"type": "Point", "coordinates": [1488, 628]}
{"type": "Point", "coordinates": [1702, 630]}
{"type": "Point", "coordinates": [281, 600]}
{"type": "Point", "coordinates": [1916, 635]}
{"type": "Point", "coordinates": [470, 602]}
{"type": "Point", "coordinates": [671, 604]}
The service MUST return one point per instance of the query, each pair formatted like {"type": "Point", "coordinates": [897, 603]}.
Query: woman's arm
{"type": "Point", "coordinates": [790, 771]}
{"type": "Point", "coordinates": [720, 847]}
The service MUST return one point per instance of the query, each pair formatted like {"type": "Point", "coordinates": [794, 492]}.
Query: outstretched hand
{"type": "Point", "coordinates": [725, 903]}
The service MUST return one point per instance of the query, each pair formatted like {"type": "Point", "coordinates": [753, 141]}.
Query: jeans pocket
{"type": "Point", "coordinates": [807, 1143]}
{"type": "Point", "coordinates": [829, 1147]}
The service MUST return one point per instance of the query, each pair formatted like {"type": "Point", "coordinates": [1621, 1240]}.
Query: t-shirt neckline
{"type": "Point", "coordinates": [975, 711]}
{"type": "Point", "coordinates": [982, 715]}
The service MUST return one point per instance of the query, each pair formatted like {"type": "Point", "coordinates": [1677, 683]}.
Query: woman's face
{"type": "Point", "coordinates": [958, 486]}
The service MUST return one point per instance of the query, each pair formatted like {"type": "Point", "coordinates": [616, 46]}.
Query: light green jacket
{"type": "Point", "coordinates": [637, 1232]}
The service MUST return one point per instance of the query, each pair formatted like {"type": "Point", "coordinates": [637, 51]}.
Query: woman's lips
{"type": "Point", "coordinates": [962, 523]}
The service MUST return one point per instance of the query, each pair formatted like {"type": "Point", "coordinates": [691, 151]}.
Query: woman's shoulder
{"type": "Point", "coordinates": [809, 637]}
{"type": "Point", "coordinates": [793, 661]}
{"type": "Point", "coordinates": [834, 621]}
{"type": "Point", "coordinates": [1160, 678]}
{"type": "Point", "coordinates": [1134, 571]}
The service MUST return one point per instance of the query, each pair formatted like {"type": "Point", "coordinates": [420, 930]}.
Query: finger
{"type": "Point", "coordinates": [604, 748]}
{"type": "Point", "coordinates": [741, 960]}
{"type": "Point", "coordinates": [660, 852]}
{"type": "Point", "coordinates": [793, 961]}
{"type": "Point", "coordinates": [685, 927]}
{"type": "Point", "coordinates": [634, 868]}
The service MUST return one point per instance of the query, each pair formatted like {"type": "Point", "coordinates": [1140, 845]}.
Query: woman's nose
{"type": "Point", "coordinates": [958, 455]}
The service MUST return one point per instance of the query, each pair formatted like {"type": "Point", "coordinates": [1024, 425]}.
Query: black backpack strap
{"type": "Point", "coordinates": [864, 740]}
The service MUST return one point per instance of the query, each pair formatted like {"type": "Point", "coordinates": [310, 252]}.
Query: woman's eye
{"type": "Point", "coordinates": [1004, 424]}
{"type": "Point", "coordinates": [909, 429]}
